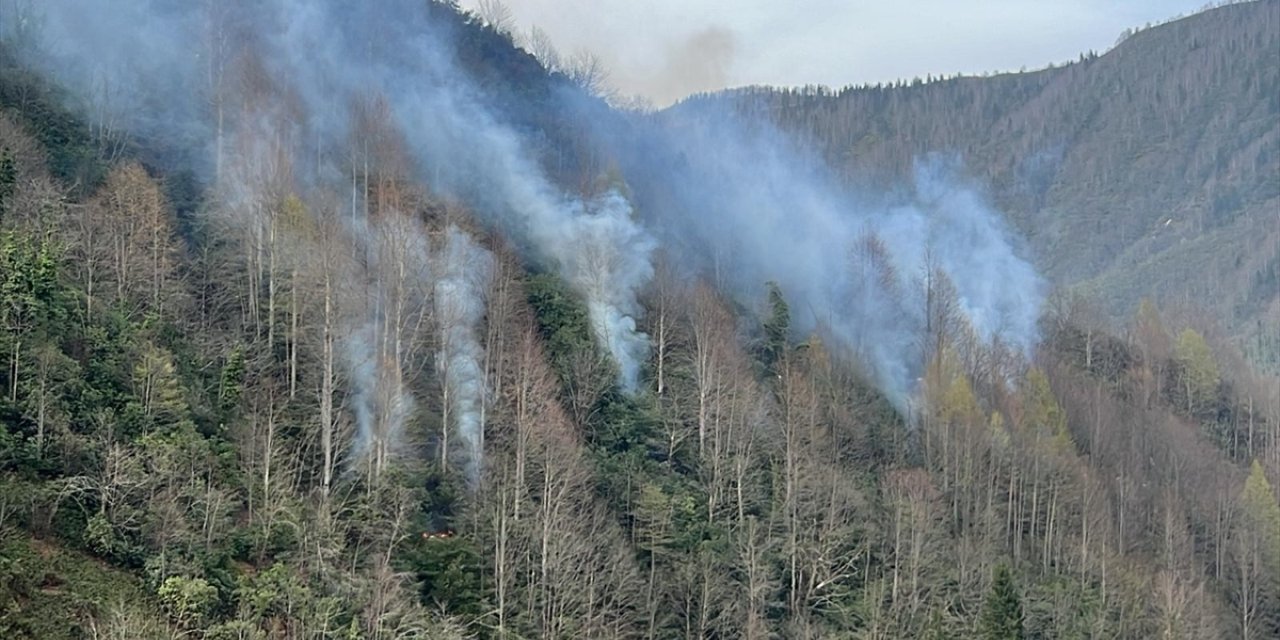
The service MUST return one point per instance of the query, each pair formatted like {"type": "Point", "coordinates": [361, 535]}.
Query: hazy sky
{"type": "Point", "coordinates": [666, 49]}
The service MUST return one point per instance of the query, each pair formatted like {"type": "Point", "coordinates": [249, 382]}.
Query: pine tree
{"type": "Point", "coordinates": [1002, 613]}
{"type": "Point", "coordinates": [8, 178]}
{"type": "Point", "coordinates": [776, 327]}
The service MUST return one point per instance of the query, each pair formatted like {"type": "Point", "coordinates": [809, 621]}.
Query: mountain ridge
{"type": "Point", "coordinates": [1078, 156]}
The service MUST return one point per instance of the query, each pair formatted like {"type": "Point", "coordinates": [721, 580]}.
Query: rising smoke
{"type": "Point", "coordinates": [460, 294]}
{"type": "Point", "coordinates": [390, 305]}
{"type": "Point", "coordinates": [379, 399]}
{"type": "Point", "coordinates": [733, 197]}
{"type": "Point", "coordinates": [605, 256]}
{"type": "Point", "coordinates": [727, 197]}
{"type": "Point", "coordinates": [175, 73]}
{"type": "Point", "coordinates": [331, 54]}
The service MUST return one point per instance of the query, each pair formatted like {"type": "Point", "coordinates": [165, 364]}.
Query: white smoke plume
{"type": "Point", "coordinates": [725, 195]}
{"type": "Point", "coordinates": [465, 150]}
{"type": "Point", "coordinates": [173, 78]}
{"type": "Point", "coordinates": [460, 300]}
{"type": "Point", "coordinates": [606, 257]}
{"type": "Point", "coordinates": [595, 244]}
{"type": "Point", "coordinates": [732, 197]}
{"type": "Point", "coordinates": [329, 55]}
{"type": "Point", "coordinates": [390, 306]}
{"type": "Point", "coordinates": [379, 399]}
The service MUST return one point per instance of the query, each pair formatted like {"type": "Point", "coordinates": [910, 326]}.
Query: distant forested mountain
{"type": "Point", "coordinates": [1152, 170]}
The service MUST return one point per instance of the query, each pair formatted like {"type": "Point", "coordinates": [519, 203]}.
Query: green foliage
{"type": "Point", "coordinates": [8, 179]}
{"type": "Point", "coordinates": [588, 376]}
{"type": "Point", "coordinates": [619, 425]}
{"type": "Point", "coordinates": [956, 402]}
{"type": "Point", "coordinates": [1197, 370]}
{"type": "Point", "coordinates": [1060, 606]}
{"type": "Point", "coordinates": [102, 538]}
{"type": "Point", "coordinates": [1261, 510]}
{"type": "Point", "coordinates": [959, 406]}
{"type": "Point", "coordinates": [28, 280]}
{"type": "Point", "coordinates": [232, 380]}
{"type": "Point", "coordinates": [51, 593]}
{"type": "Point", "coordinates": [624, 423]}
{"type": "Point", "coordinates": [451, 574]}
{"type": "Point", "coordinates": [273, 592]}
{"type": "Point", "coordinates": [1041, 411]}
{"type": "Point", "coordinates": [777, 328]}
{"type": "Point", "coordinates": [188, 601]}
{"type": "Point", "coordinates": [1002, 611]}
{"type": "Point", "coordinates": [562, 320]}
{"type": "Point", "coordinates": [156, 383]}
{"type": "Point", "coordinates": [938, 627]}
{"type": "Point", "coordinates": [72, 153]}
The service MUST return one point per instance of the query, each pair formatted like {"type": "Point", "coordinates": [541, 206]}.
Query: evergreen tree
{"type": "Point", "coordinates": [1002, 612]}
{"type": "Point", "coordinates": [776, 327]}
{"type": "Point", "coordinates": [8, 178]}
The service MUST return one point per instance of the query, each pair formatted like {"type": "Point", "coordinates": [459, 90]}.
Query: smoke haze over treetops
{"type": "Point", "coordinates": [739, 201]}
{"type": "Point", "coordinates": [736, 202]}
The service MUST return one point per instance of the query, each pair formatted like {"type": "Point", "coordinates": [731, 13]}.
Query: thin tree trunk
{"type": "Point", "coordinates": [326, 389]}
{"type": "Point", "coordinates": [13, 366]}
{"type": "Point", "coordinates": [293, 335]}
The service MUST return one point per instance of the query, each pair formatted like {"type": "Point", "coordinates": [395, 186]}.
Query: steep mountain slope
{"type": "Point", "coordinates": [275, 401]}
{"type": "Point", "coordinates": [1151, 170]}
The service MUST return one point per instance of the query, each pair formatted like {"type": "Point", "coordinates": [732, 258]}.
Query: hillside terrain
{"type": "Point", "coordinates": [1152, 170]}
{"type": "Point", "coordinates": [380, 336]}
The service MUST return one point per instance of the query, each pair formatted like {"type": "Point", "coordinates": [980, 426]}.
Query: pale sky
{"type": "Point", "coordinates": [666, 49]}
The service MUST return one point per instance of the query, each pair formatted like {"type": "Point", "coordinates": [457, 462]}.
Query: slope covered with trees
{"type": "Point", "coordinates": [1148, 171]}
{"type": "Point", "coordinates": [184, 453]}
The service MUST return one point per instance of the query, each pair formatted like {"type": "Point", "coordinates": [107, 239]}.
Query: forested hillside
{"type": "Point", "coordinates": [1148, 171]}
{"type": "Point", "coordinates": [291, 377]}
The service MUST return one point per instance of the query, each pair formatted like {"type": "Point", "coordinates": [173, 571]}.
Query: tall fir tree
{"type": "Point", "coordinates": [1002, 612]}
{"type": "Point", "coordinates": [776, 328]}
